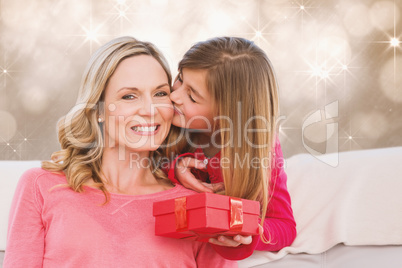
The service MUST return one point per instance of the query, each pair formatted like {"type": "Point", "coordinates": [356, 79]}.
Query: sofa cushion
{"type": "Point", "coordinates": [356, 203]}
{"type": "Point", "coordinates": [10, 172]}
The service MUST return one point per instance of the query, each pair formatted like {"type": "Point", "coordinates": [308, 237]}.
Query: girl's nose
{"type": "Point", "coordinates": [175, 95]}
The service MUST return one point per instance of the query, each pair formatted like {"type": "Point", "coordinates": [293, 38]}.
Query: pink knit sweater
{"type": "Point", "coordinates": [57, 227]}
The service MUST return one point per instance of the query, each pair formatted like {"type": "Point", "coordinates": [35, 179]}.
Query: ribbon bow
{"type": "Point", "coordinates": [236, 214]}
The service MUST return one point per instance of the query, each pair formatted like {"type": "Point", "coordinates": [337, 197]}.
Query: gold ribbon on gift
{"type": "Point", "coordinates": [180, 211]}
{"type": "Point", "coordinates": [236, 214]}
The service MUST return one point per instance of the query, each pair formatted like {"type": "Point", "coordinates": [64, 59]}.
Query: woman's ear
{"type": "Point", "coordinates": [101, 111]}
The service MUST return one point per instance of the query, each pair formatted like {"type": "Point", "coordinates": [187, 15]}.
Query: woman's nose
{"type": "Point", "coordinates": [147, 107]}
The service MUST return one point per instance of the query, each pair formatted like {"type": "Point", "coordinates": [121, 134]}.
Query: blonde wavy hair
{"type": "Point", "coordinates": [238, 73]}
{"type": "Point", "coordinates": [80, 134]}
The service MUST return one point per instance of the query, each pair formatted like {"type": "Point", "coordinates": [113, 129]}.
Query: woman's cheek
{"type": "Point", "coordinates": [167, 114]}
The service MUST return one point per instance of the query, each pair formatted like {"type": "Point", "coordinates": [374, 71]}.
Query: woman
{"type": "Point", "coordinates": [92, 206]}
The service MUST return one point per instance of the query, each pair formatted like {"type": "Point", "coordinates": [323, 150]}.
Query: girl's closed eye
{"type": "Point", "coordinates": [179, 78]}
{"type": "Point", "coordinates": [191, 98]}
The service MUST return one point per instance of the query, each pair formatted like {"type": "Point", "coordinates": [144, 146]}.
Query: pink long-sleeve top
{"type": "Point", "coordinates": [279, 224]}
{"type": "Point", "coordinates": [57, 227]}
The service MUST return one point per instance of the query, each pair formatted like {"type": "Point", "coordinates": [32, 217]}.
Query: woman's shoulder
{"type": "Point", "coordinates": [35, 183]}
{"type": "Point", "coordinates": [38, 171]}
{"type": "Point", "coordinates": [40, 176]}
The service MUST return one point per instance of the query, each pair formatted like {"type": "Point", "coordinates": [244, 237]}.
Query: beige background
{"type": "Point", "coordinates": [336, 54]}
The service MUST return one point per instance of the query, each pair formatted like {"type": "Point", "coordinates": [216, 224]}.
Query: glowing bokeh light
{"type": "Point", "coordinates": [391, 80]}
{"type": "Point", "coordinates": [356, 20]}
{"type": "Point", "coordinates": [394, 42]}
{"type": "Point", "coordinates": [91, 35]}
{"type": "Point", "coordinates": [333, 48]}
{"type": "Point", "coordinates": [318, 131]}
{"type": "Point", "coordinates": [315, 46]}
{"type": "Point", "coordinates": [39, 97]}
{"type": "Point", "coordinates": [159, 3]}
{"type": "Point", "coordinates": [320, 72]}
{"type": "Point", "coordinates": [372, 125]}
{"type": "Point", "coordinates": [384, 15]}
{"type": "Point", "coordinates": [8, 126]}
{"type": "Point", "coordinates": [219, 22]}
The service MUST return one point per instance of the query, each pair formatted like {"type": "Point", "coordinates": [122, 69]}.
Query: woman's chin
{"type": "Point", "coordinates": [143, 148]}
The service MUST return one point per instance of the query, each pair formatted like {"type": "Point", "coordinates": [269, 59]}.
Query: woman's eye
{"type": "Point", "coordinates": [161, 94]}
{"type": "Point", "coordinates": [128, 97]}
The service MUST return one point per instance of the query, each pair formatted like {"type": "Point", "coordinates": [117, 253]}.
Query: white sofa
{"type": "Point", "coordinates": [347, 216]}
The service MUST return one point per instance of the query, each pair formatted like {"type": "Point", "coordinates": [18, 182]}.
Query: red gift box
{"type": "Point", "coordinates": [204, 215]}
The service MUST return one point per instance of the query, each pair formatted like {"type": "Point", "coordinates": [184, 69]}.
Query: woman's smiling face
{"type": "Point", "coordinates": [138, 111]}
{"type": "Point", "coordinates": [192, 101]}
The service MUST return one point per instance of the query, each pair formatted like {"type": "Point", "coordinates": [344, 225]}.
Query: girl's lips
{"type": "Point", "coordinates": [177, 111]}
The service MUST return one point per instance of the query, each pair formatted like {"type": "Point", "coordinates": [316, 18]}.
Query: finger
{"type": "Point", "coordinates": [199, 187]}
{"type": "Point", "coordinates": [214, 187]}
{"type": "Point", "coordinates": [224, 241]}
{"type": "Point", "coordinates": [188, 180]}
{"type": "Point", "coordinates": [215, 242]}
{"type": "Point", "coordinates": [246, 240]}
{"type": "Point", "coordinates": [208, 185]}
{"type": "Point", "coordinates": [190, 162]}
{"type": "Point", "coordinates": [218, 187]}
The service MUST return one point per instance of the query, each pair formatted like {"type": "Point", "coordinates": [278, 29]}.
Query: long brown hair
{"type": "Point", "coordinates": [80, 134]}
{"type": "Point", "coordinates": [242, 82]}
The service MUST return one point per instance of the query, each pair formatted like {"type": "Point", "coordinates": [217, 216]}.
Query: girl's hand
{"type": "Point", "coordinates": [229, 241]}
{"type": "Point", "coordinates": [235, 241]}
{"type": "Point", "coordinates": [187, 179]}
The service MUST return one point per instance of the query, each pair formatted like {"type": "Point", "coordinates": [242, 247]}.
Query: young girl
{"type": "Point", "coordinates": [226, 101]}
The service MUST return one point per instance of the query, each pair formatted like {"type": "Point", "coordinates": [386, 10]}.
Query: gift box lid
{"type": "Point", "coordinates": [210, 200]}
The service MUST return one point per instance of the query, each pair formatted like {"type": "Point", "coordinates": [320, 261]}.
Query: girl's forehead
{"type": "Point", "coordinates": [196, 81]}
{"type": "Point", "coordinates": [198, 76]}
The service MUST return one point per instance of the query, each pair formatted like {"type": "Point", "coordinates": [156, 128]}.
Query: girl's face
{"type": "Point", "coordinates": [193, 104]}
{"type": "Point", "coordinates": [138, 111]}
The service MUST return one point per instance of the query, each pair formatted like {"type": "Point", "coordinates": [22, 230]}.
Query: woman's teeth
{"type": "Point", "coordinates": [145, 129]}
